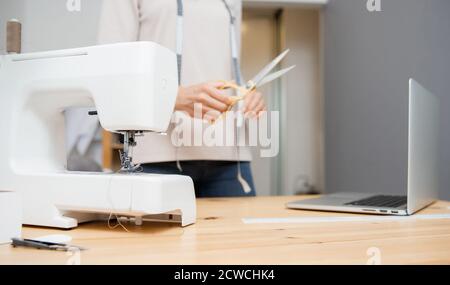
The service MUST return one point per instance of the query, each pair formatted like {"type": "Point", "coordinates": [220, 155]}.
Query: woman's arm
{"type": "Point", "coordinates": [208, 96]}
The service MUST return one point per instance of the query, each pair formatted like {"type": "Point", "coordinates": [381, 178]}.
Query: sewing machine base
{"type": "Point", "coordinates": [67, 199]}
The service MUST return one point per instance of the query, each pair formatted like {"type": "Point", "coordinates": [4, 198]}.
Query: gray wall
{"type": "Point", "coordinates": [9, 9]}
{"type": "Point", "coordinates": [368, 60]}
{"type": "Point", "coordinates": [47, 24]}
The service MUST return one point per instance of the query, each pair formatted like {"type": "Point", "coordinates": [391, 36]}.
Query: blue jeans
{"type": "Point", "coordinates": [211, 178]}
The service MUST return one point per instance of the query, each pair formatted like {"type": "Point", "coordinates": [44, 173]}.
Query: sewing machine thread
{"type": "Point", "coordinates": [13, 36]}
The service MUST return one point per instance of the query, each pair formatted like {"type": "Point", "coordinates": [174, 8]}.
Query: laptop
{"type": "Point", "coordinates": [422, 184]}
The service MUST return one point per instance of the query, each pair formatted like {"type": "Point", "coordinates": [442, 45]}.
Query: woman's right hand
{"type": "Point", "coordinates": [213, 100]}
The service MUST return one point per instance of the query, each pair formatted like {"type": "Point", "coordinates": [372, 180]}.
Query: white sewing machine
{"type": "Point", "coordinates": [133, 87]}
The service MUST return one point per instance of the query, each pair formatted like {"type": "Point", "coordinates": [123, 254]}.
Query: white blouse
{"type": "Point", "coordinates": [206, 57]}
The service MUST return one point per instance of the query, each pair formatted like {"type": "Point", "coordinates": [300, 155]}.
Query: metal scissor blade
{"type": "Point", "coordinates": [263, 73]}
{"type": "Point", "coordinates": [271, 77]}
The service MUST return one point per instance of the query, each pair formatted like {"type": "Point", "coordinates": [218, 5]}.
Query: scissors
{"type": "Point", "coordinates": [263, 77]}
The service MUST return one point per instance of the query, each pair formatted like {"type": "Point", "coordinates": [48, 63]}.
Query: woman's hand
{"type": "Point", "coordinates": [213, 100]}
{"type": "Point", "coordinates": [254, 104]}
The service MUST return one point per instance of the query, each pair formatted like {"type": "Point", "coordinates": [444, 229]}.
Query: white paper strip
{"type": "Point", "coordinates": [313, 220]}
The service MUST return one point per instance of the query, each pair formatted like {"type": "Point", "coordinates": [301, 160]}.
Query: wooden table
{"type": "Point", "coordinates": [220, 237]}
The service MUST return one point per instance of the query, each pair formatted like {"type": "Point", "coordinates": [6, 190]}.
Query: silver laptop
{"type": "Point", "coordinates": [422, 167]}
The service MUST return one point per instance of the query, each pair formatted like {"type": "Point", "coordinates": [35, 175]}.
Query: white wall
{"type": "Point", "coordinates": [259, 48]}
{"type": "Point", "coordinates": [302, 155]}
{"type": "Point", "coordinates": [299, 100]}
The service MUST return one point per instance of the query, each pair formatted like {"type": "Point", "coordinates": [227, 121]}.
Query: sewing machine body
{"type": "Point", "coordinates": [133, 87]}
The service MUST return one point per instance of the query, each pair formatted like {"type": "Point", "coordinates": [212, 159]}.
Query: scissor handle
{"type": "Point", "coordinates": [241, 90]}
{"type": "Point", "coordinates": [232, 85]}
{"type": "Point", "coordinates": [234, 99]}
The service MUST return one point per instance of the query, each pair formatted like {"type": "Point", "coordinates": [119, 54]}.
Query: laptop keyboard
{"type": "Point", "coordinates": [381, 201]}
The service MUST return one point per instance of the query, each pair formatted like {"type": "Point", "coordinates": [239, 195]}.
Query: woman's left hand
{"type": "Point", "coordinates": [254, 104]}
